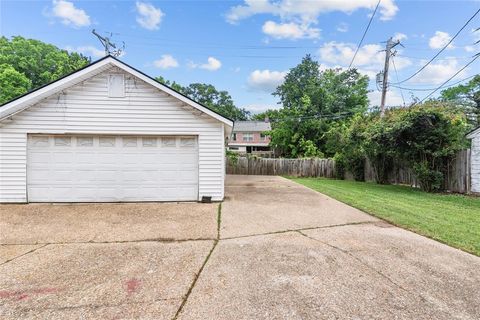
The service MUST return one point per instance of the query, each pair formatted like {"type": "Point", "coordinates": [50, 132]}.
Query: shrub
{"type": "Point", "coordinates": [231, 156]}
{"type": "Point", "coordinates": [339, 166]}
{"type": "Point", "coordinates": [430, 179]}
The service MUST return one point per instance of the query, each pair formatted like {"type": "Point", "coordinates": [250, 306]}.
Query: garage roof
{"type": "Point", "coordinates": [25, 101]}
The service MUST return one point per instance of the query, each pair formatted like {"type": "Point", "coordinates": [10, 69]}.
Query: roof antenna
{"type": "Point", "coordinates": [110, 47]}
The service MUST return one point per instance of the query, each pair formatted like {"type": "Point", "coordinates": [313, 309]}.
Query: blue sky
{"type": "Point", "coordinates": [245, 47]}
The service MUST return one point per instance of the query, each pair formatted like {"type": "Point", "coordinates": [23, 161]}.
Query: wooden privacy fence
{"type": "Point", "coordinates": [456, 180]}
{"type": "Point", "coordinates": [288, 167]}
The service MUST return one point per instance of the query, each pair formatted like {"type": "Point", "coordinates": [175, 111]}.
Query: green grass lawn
{"type": "Point", "coordinates": [449, 218]}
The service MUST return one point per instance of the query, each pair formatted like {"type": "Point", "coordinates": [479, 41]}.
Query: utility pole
{"type": "Point", "coordinates": [108, 45]}
{"type": "Point", "coordinates": [388, 52]}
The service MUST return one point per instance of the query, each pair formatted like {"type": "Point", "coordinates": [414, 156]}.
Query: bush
{"type": "Point", "coordinates": [355, 164]}
{"type": "Point", "coordinates": [339, 166]}
{"type": "Point", "coordinates": [231, 156]}
{"type": "Point", "coordinates": [430, 180]}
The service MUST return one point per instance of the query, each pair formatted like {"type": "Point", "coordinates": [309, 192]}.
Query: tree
{"type": "Point", "coordinates": [209, 96]}
{"type": "Point", "coordinates": [12, 83]}
{"type": "Point", "coordinates": [219, 101]}
{"type": "Point", "coordinates": [37, 61]}
{"type": "Point", "coordinates": [272, 115]}
{"type": "Point", "coordinates": [466, 96]}
{"type": "Point", "coordinates": [312, 101]}
{"type": "Point", "coordinates": [172, 84]}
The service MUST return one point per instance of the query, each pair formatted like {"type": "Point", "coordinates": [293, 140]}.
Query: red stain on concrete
{"type": "Point", "coordinates": [25, 294]}
{"type": "Point", "coordinates": [132, 285]}
{"type": "Point", "coordinates": [22, 296]}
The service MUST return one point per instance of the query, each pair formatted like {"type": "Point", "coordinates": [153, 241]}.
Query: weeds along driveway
{"type": "Point", "coordinates": [273, 250]}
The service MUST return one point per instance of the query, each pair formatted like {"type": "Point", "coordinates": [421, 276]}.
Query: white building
{"type": "Point", "coordinates": [110, 133]}
{"type": "Point", "coordinates": [475, 160]}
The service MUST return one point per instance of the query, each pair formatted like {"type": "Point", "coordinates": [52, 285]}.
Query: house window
{"type": "Point", "coordinates": [234, 137]}
{"type": "Point", "coordinates": [263, 137]}
{"type": "Point", "coordinates": [248, 136]}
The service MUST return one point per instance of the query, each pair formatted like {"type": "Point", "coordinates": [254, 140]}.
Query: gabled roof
{"type": "Point", "coordinates": [473, 133]}
{"type": "Point", "coordinates": [251, 126]}
{"type": "Point", "coordinates": [30, 98]}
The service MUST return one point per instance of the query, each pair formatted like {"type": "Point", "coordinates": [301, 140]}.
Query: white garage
{"type": "Point", "coordinates": [109, 133]}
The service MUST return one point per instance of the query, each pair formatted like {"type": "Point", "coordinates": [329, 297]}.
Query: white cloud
{"type": "Point", "coordinates": [165, 62]}
{"type": "Point", "coordinates": [290, 30]}
{"type": "Point", "coordinates": [469, 48]}
{"type": "Point", "coordinates": [266, 80]}
{"type": "Point", "coordinates": [399, 36]}
{"type": "Point", "coordinates": [439, 40]}
{"type": "Point", "coordinates": [306, 11]}
{"type": "Point", "coordinates": [148, 16]}
{"type": "Point", "coordinates": [69, 14]}
{"type": "Point", "coordinates": [394, 98]}
{"type": "Point", "coordinates": [369, 59]}
{"type": "Point", "coordinates": [342, 27]}
{"type": "Point", "coordinates": [437, 73]}
{"type": "Point", "coordinates": [212, 64]}
{"type": "Point", "coordinates": [87, 51]}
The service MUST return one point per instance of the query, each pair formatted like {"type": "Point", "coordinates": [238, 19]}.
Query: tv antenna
{"type": "Point", "coordinates": [109, 46]}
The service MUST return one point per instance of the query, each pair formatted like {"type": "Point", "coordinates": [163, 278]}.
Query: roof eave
{"type": "Point", "coordinates": [21, 103]}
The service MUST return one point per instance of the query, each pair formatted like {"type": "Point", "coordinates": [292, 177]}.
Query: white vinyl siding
{"type": "Point", "coordinates": [475, 163]}
{"type": "Point", "coordinates": [86, 108]}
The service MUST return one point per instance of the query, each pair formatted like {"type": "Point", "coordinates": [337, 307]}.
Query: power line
{"type": "Point", "coordinates": [364, 34]}
{"type": "Point", "coordinates": [430, 89]}
{"type": "Point", "coordinates": [396, 74]}
{"type": "Point", "coordinates": [456, 73]}
{"type": "Point", "coordinates": [331, 116]}
{"type": "Point", "coordinates": [441, 50]}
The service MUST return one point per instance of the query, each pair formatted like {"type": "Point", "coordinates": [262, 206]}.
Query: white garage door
{"type": "Point", "coordinates": [82, 168]}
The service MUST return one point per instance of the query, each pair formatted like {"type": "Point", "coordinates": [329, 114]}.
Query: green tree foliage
{"type": "Point", "coordinates": [209, 96]}
{"type": "Point", "coordinates": [219, 101]}
{"type": "Point", "coordinates": [424, 137]}
{"type": "Point", "coordinates": [172, 84]}
{"type": "Point", "coordinates": [466, 96]}
{"type": "Point", "coordinates": [12, 83]}
{"type": "Point", "coordinates": [312, 101]}
{"type": "Point", "coordinates": [37, 61]}
{"type": "Point", "coordinates": [272, 115]}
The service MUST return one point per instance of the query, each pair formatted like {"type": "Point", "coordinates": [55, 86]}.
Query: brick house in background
{"type": "Point", "coordinates": [249, 137]}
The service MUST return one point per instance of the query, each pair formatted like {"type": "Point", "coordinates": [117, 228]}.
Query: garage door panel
{"type": "Point", "coordinates": [98, 168]}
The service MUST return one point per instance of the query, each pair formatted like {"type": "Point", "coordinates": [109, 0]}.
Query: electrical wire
{"type": "Point", "coordinates": [331, 116]}
{"type": "Point", "coordinates": [441, 50]}
{"type": "Point", "coordinates": [364, 34]}
{"type": "Point", "coordinates": [456, 73]}
{"type": "Point", "coordinates": [396, 74]}
{"type": "Point", "coordinates": [430, 89]}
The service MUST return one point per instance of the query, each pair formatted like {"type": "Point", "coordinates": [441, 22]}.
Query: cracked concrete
{"type": "Point", "coordinates": [272, 250]}
{"type": "Point", "coordinates": [326, 261]}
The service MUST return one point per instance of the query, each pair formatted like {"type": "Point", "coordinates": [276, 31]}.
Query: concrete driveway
{"type": "Point", "coordinates": [279, 251]}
